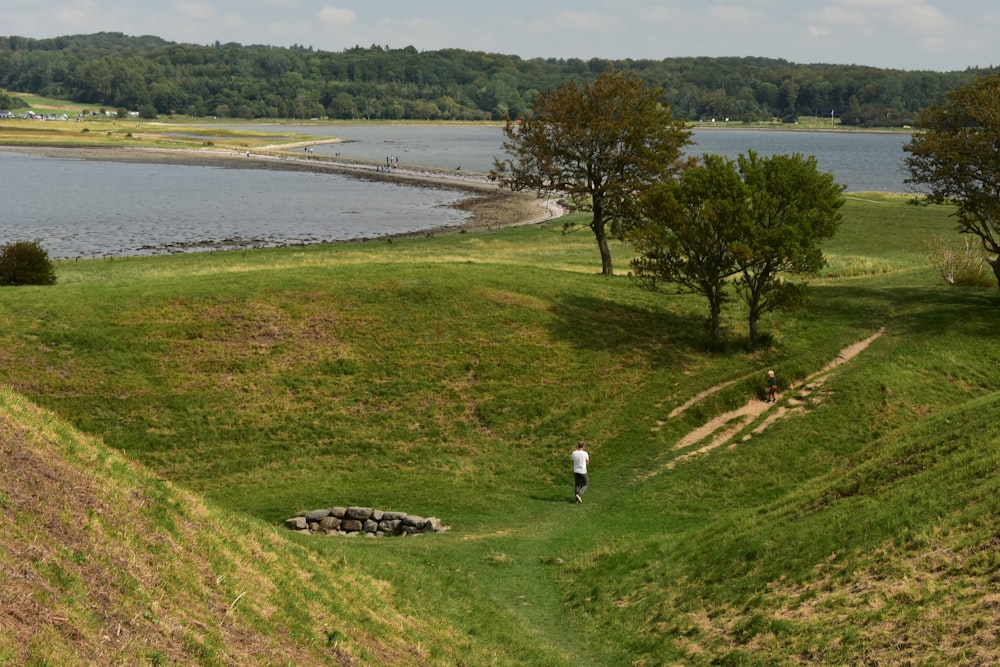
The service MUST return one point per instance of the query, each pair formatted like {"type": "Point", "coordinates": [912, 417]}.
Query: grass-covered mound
{"type": "Point", "coordinates": [853, 521]}
{"type": "Point", "coordinates": [101, 563]}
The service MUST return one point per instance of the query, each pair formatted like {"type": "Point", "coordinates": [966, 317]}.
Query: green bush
{"type": "Point", "coordinates": [25, 263]}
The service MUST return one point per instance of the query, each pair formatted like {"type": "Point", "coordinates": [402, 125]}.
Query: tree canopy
{"type": "Point", "coordinates": [753, 219]}
{"type": "Point", "coordinates": [25, 263]}
{"type": "Point", "coordinates": [957, 157]}
{"type": "Point", "coordinates": [600, 144]}
{"type": "Point", "coordinates": [791, 208]}
{"type": "Point", "coordinates": [691, 225]}
{"type": "Point", "coordinates": [113, 70]}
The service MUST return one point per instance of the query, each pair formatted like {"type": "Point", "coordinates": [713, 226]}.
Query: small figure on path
{"type": "Point", "coordinates": [772, 387]}
{"type": "Point", "coordinates": [580, 461]}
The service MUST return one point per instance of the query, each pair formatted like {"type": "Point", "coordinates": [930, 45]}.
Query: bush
{"type": "Point", "coordinates": [25, 263]}
{"type": "Point", "coordinates": [960, 262]}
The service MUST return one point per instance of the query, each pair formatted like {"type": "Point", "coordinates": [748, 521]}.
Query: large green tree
{"type": "Point", "coordinates": [601, 144]}
{"type": "Point", "coordinates": [957, 157]}
{"type": "Point", "coordinates": [691, 225]}
{"type": "Point", "coordinates": [791, 208]}
{"type": "Point", "coordinates": [749, 222]}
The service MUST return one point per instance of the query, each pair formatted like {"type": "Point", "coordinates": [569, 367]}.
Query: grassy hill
{"type": "Point", "coordinates": [162, 416]}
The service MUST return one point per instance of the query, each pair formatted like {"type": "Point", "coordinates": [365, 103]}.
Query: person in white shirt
{"type": "Point", "coordinates": [580, 461]}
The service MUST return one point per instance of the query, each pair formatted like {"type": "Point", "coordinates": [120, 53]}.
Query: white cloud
{"type": "Point", "coordinates": [589, 22]}
{"type": "Point", "coordinates": [74, 12]}
{"type": "Point", "coordinates": [659, 14]}
{"type": "Point", "coordinates": [924, 18]}
{"type": "Point", "coordinates": [195, 10]}
{"type": "Point", "coordinates": [841, 15]}
{"type": "Point", "coordinates": [734, 14]}
{"type": "Point", "coordinates": [819, 32]}
{"type": "Point", "coordinates": [335, 17]}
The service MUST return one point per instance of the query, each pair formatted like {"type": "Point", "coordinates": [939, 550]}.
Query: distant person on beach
{"type": "Point", "coordinates": [580, 461]}
{"type": "Point", "coordinates": [772, 387]}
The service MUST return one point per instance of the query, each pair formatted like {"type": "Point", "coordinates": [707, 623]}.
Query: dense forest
{"type": "Point", "coordinates": [155, 77]}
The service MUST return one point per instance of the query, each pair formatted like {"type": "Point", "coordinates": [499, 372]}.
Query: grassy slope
{"type": "Point", "coordinates": [449, 376]}
{"type": "Point", "coordinates": [102, 564]}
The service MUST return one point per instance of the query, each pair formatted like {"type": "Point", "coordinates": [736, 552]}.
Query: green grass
{"type": "Point", "coordinates": [451, 375]}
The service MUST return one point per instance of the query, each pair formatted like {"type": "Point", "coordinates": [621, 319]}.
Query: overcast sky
{"type": "Point", "coordinates": [941, 35]}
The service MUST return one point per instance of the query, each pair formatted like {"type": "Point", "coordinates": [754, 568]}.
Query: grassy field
{"type": "Point", "coordinates": [853, 522]}
{"type": "Point", "coordinates": [89, 126]}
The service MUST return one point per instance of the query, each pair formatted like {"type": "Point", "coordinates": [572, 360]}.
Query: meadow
{"type": "Point", "coordinates": [852, 522]}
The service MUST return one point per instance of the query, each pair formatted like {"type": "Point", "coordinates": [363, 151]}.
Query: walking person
{"type": "Point", "coordinates": [580, 461]}
{"type": "Point", "coordinates": [772, 387]}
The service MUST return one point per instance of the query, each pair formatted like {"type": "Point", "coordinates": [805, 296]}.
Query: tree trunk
{"type": "Point", "coordinates": [995, 263]}
{"type": "Point", "coordinates": [601, 234]}
{"type": "Point", "coordinates": [753, 327]}
{"type": "Point", "coordinates": [602, 244]}
{"type": "Point", "coordinates": [715, 321]}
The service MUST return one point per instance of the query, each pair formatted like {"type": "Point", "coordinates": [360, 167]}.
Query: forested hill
{"type": "Point", "coordinates": [157, 77]}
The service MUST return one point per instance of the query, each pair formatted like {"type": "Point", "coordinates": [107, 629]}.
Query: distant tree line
{"type": "Point", "coordinates": [156, 77]}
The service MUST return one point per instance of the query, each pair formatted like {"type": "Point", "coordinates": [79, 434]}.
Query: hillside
{"type": "Point", "coordinates": [103, 564]}
{"type": "Point", "coordinates": [852, 522]}
{"type": "Point", "coordinates": [147, 75]}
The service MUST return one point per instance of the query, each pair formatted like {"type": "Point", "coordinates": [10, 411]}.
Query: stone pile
{"type": "Point", "coordinates": [363, 521]}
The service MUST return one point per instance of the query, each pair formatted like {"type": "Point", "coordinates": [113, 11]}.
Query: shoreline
{"type": "Point", "coordinates": [488, 205]}
{"type": "Point", "coordinates": [722, 126]}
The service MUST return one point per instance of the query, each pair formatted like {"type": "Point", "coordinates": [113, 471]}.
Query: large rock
{"type": "Point", "coordinates": [330, 523]}
{"type": "Point", "coordinates": [351, 525]}
{"type": "Point", "coordinates": [359, 513]}
{"type": "Point", "coordinates": [390, 526]}
{"type": "Point", "coordinates": [297, 523]}
{"type": "Point", "coordinates": [414, 524]}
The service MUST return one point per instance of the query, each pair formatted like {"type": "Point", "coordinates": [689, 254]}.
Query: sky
{"type": "Point", "coordinates": [938, 35]}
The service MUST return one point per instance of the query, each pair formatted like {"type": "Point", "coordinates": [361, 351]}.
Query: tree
{"type": "Point", "coordinates": [791, 207]}
{"type": "Point", "coordinates": [691, 225]}
{"type": "Point", "coordinates": [602, 144]}
{"type": "Point", "coordinates": [752, 219]}
{"type": "Point", "coordinates": [25, 263]}
{"type": "Point", "coordinates": [958, 158]}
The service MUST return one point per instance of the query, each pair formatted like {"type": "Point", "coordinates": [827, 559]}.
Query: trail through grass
{"type": "Point", "coordinates": [450, 376]}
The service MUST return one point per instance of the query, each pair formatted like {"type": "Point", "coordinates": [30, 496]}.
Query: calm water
{"type": "Point", "coordinates": [80, 208]}
{"type": "Point", "coordinates": [859, 160]}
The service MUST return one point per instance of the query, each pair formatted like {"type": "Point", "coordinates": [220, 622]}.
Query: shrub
{"type": "Point", "coordinates": [25, 263]}
{"type": "Point", "coordinates": [960, 262]}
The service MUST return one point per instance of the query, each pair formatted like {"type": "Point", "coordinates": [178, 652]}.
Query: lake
{"type": "Point", "coordinates": [82, 208]}
{"type": "Point", "coordinates": [85, 208]}
{"type": "Point", "coordinates": [859, 160]}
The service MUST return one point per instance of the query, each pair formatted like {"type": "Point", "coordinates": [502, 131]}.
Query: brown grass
{"type": "Point", "coordinates": [101, 565]}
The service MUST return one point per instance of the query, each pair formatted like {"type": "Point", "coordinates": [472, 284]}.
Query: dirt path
{"type": "Point", "coordinates": [724, 428]}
